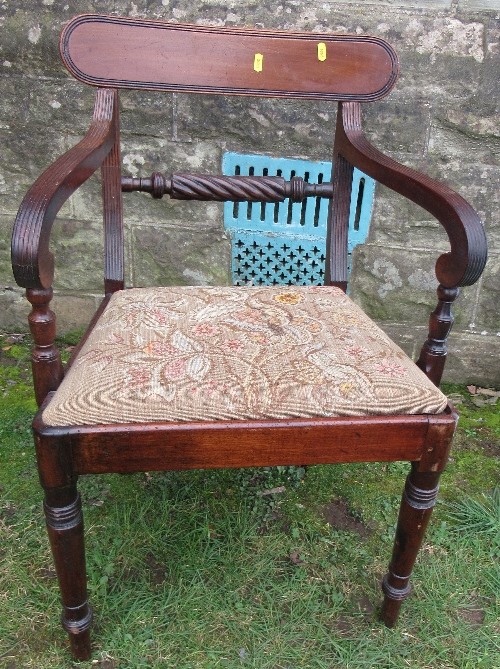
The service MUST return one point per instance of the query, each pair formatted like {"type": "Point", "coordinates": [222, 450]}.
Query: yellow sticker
{"type": "Point", "coordinates": [257, 62]}
{"type": "Point", "coordinates": [321, 51]}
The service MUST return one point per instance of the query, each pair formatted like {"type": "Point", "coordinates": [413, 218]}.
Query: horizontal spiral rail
{"type": "Point", "coordinates": [226, 188]}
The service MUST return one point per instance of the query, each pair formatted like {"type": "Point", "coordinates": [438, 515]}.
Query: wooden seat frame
{"type": "Point", "coordinates": [364, 70]}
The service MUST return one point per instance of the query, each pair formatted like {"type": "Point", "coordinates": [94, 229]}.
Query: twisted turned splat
{"type": "Point", "coordinates": [226, 188]}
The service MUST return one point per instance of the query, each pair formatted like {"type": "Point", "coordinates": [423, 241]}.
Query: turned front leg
{"type": "Point", "coordinates": [419, 498]}
{"type": "Point", "coordinates": [63, 513]}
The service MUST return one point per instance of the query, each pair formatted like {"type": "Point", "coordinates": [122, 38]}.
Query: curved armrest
{"type": "Point", "coordinates": [463, 265]}
{"type": "Point", "coordinates": [32, 262]}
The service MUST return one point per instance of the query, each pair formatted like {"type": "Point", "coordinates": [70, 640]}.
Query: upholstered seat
{"type": "Point", "coordinates": [199, 353]}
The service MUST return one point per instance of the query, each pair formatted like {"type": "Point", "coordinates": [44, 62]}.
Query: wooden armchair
{"type": "Point", "coordinates": [200, 377]}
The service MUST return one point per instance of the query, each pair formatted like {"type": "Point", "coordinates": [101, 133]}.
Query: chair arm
{"type": "Point", "coordinates": [32, 262]}
{"type": "Point", "coordinates": [463, 265]}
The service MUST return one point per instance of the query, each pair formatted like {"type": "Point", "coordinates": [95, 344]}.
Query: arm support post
{"type": "Point", "coordinates": [463, 265]}
{"type": "Point", "coordinates": [32, 262]}
{"type": "Point", "coordinates": [465, 261]}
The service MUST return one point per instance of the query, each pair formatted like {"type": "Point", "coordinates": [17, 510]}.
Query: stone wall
{"type": "Point", "coordinates": [442, 118]}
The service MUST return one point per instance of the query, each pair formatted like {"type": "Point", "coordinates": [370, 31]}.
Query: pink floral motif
{"type": "Point", "coordinates": [175, 369]}
{"type": "Point", "coordinates": [249, 315]}
{"type": "Point", "coordinates": [205, 329]}
{"type": "Point", "coordinates": [234, 344]}
{"type": "Point", "coordinates": [132, 316]}
{"type": "Point", "coordinates": [159, 315]}
{"type": "Point", "coordinates": [347, 319]}
{"type": "Point", "coordinates": [213, 387]}
{"type": "Point", "coordinates": [357, 351]}
{"type": "Point", "coordinates": [160, 348]}
{"type": "Point", "coordinates": [138, 377]}
{"type": "Point", "coordinates": [391, 369]}
{"type": "Point", "coordinates": [259, 339]}
{"type": "Point", "coordinates": [314, 327]}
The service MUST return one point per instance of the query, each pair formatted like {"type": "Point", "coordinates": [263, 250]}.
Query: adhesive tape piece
{"type": "Point", "coordinates": [257, 62]}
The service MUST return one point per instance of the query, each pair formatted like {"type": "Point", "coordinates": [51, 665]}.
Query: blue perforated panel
{"type": "Point", "coordinates": [285, 243]}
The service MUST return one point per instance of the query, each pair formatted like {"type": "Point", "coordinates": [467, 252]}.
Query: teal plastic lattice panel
{"type": "Point", "coordinates": [285, 242]}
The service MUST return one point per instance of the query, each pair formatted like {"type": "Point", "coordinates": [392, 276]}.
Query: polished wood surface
{"type": "Point", "coordinates": [135, 53]}
{"type": "Point", "coordinates": [207, 445]}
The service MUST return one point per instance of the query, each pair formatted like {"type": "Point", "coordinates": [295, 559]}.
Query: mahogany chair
{"type": "Point", "coordinates": [200, 377]}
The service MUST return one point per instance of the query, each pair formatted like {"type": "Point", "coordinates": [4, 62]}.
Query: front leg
{"type": "Point", "coordinates": [63, 513]}
{"type": "Point", "coordinates": [419, 498]}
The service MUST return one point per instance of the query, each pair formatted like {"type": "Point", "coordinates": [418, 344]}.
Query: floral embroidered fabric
{"type": "Point", "coordinates": [208, 353]}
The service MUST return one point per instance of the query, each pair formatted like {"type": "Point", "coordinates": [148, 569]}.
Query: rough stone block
{"type": "Point", "coordinates": [458, 144]}
{"type": "Point", "coordinates": [476, 183]}
{"type": "Point", "coordinates": [489, 93]}
{"type": "Point", "coordinates": [6, 277]}
{"type": "Point", "coordinates": [174, 256]}
{"type": "Point", "coordinates": [65, 104]}
{"type": "Point", "coordinates": [413, 4]}
{"type": "Point", "coordinates": [479, 4]}
{"type": "Point", "coordinates": [22, 159]}
{"type": "Point", "coordinates": [147, 113]}
{"type": "Point", "coordinates": [398, 285]}
{"type": "Point", "coordinates": [79, 257]}
{"type": "Point", "coordinates": [472, 358]}
{"type": "Point", "coordinates": [73, 311]}
{"type": "Point", "coordinates": [272, 127]}
{"type": "Point", "coordinates": [14, 309]}
{"type": "Point", "coordinates": [30, 30]}
{"type": "Point", "coordinates": [487, 317]}
{"type": "Point", "coordinates": [396, 127]}
{"type": "Point", "coordinates": [395, 220]}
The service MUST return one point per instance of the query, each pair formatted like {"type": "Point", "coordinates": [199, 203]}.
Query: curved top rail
{"type": "Point", "coordinates": [155, 55]}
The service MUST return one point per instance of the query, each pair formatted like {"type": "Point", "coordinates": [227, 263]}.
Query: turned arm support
{"type": "Point", "coordinates": [464, 263]}
{"type": "Point", "coordinates": [32, 262]}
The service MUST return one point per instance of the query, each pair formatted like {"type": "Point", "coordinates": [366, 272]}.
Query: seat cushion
{"type": "Point", "coordinates": [208, 353]}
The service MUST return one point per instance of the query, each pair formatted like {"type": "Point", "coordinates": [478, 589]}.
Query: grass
{"type": "Point", "coordinates": [264, 569]}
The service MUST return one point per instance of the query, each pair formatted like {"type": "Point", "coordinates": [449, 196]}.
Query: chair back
{"type": "Point", "coordinates": [154, 55]}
